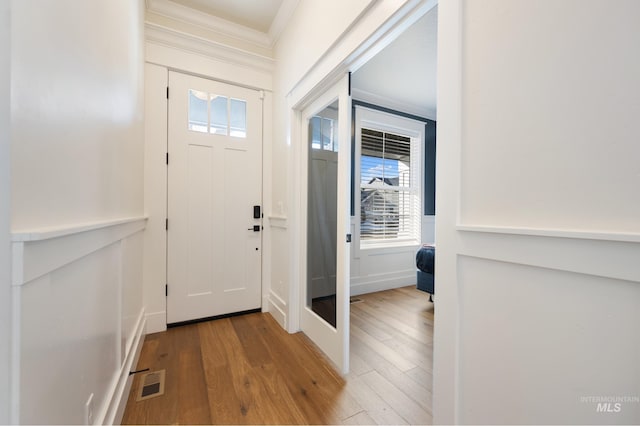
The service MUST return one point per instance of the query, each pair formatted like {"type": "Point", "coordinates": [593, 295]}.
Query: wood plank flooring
{"type": "Point", "coordinates": [247, 370]}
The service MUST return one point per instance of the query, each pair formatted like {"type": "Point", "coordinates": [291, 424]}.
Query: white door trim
{"type": "Point", "coordinates": [155, 188]}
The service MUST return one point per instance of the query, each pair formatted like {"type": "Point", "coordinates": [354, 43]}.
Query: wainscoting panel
{"type": "Point", "coordinates": [384, 268]}
{"type": "Point", "coordinates": [510, 311]}
{"type": "Point", "coordinates": [277, 259]}
{"type": "Point", "coordinates": [78, 321]}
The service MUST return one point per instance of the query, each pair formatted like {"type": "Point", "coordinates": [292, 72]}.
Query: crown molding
{"type": "Point", "coordinates": [162, 35]}
{"type": "Point", "coordinates": [209, 22]}
{"type": "Point", "coordinates": [396, 104]}
{"type": "Point", "coordinates": [287, 8]}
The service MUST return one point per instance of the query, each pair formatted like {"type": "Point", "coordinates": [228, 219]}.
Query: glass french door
{"type": "Point", "coordinates": [324, 296]}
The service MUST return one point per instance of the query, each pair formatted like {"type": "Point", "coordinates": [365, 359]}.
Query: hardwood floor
{"type": "Point", "coordinates": [247, 370]}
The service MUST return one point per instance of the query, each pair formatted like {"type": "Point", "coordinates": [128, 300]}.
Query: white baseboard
{"type": "Point", "coordinates": [277, 312]}
{"type": "Point", "coordinates": [156, 322]}
{"type": "Point", "coordinates": [380, 285]}
{"type": "Point", "coordinates": [120, 392]}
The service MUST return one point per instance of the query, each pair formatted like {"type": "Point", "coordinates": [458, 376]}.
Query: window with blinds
{"type": "Point", "coordinates": [389, 204]}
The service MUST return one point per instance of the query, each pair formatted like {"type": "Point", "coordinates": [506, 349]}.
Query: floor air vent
{"type": "Point", "coordinates": [151, 385]}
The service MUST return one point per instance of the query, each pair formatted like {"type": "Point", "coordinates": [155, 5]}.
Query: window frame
{"type": "Point", "coordinates": [390, 123]}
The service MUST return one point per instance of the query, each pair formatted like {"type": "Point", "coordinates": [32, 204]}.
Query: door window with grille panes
{"type": "Point", "coordinates": [216, 114]}
{"type": "Point", "coordinates": [324, 127]}
{"type": "Point", "coordinates": [390, 173]}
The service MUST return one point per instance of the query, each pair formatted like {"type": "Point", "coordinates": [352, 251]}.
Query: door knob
{"type": "Point", "coordinates": [256, 228]}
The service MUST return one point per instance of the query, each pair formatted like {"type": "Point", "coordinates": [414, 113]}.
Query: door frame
{"type": "Point", "coordinates": [308, 89]}
{"type": "Point", "coordinates": [155, 183]}
{"type": "Point", "coordinates": [323, 76]}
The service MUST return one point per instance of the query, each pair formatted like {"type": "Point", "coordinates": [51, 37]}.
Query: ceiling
{"type": "Point", "coordinates": [403, 75]}
{"type": "Point", "coordinates": [255, 14]}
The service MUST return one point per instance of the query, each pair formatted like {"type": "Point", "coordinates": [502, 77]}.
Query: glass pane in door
{"type": "Point", "coordinates": [322, 214]}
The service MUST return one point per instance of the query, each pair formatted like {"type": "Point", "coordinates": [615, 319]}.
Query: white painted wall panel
{"type": "Point", "coordinates": [280, 271]}
{"type": "Point", "coordinates": [547, 140]}
{"type": "Point", "coordinates": [77, 112]}
{"type": "Point", "coordinates": [5, 210]}
{"type": "Point", "coordinates": [313, 28]}
{"type": "Point", "coordinates": [69, 353]}
{"type": "Point", "coordinates": [131, 293]}
{"type": "Point", "coordinates": [535, 134]}
{"type": "Point", "coordinates": [77, 322]}
{"type": "Point", "coordinates": [517, 321]}
{"type": "Point", "coordinates": [278, 298]}
{"type": "Point", "coordinates": [77, 122]}
{"type": "Point", "coordinates": [382, 269]}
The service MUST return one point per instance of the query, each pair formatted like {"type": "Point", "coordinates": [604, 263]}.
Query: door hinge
{"type": "Point", "coordinates": [348, 238]}
{"type": "Point", "coordinates": [349, 83]}
{"type": "Point", "coordinates": [167, 92]}
{"type": "Point", "coordinates": [166, 289]}
{"type": "Point", "coordinates": [166, 224]}
{"type": "Point", "coordinates": [167, 158]}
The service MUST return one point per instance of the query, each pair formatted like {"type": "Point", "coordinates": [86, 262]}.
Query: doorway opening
{"type": "Point", "coordinates": [389, 215]}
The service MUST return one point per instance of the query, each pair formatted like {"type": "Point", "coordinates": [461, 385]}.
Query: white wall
{"type": "Point", "coordinates": [578, 135]}
{"type": "Point", "coordinates": [76, 208]}
{"type": "Point", "coordinates": [538, 243]}
{"type": "Point", "coordinates": [76, 86]}
{"type": "Point", "coordinates": [5, 212]}
{"type": "Point", "coordinates": [377, 269]}
{"type": "Point", "coordinates": [313, 28]}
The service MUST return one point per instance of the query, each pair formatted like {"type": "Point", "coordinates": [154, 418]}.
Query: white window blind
{"type": "Point", "coordinates": [389, 200]}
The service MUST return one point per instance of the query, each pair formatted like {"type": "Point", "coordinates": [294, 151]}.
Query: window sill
{"type": "Point", "coordinates": [408, 244]}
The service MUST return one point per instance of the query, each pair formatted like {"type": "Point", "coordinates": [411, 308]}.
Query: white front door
{"type": "Point", "coordinates": [214, 244]}
{"type": "Point", "coordinates": [326, 154]}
